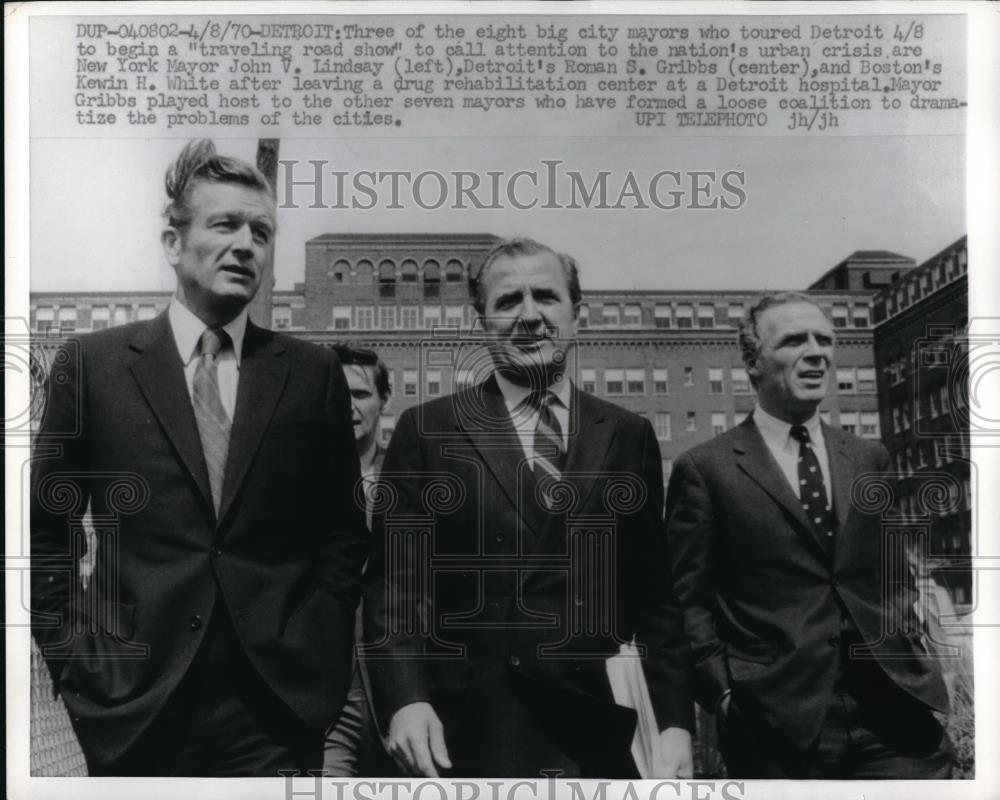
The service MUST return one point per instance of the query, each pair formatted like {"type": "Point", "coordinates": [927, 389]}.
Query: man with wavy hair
{"type": "Point", "coordinates": [214, 636]}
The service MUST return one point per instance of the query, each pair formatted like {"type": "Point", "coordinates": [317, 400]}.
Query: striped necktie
{"type": "Point", "coordinates": [214, 424]}
{"type": "Point", "coordinates": [550, 450]}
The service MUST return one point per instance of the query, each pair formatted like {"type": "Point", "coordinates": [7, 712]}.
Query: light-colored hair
{"type": "Point", "coordinates": [199, 161]}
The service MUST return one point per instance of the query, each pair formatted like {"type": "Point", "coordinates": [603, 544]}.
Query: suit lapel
{"type": "Point", "coordinates": [262, 378]}
{"type": "Point", "coordinates": [487, 424]}
{"type": "Point", "coordinates": [841, 475]}
{"type": "Point", "coordinates": [590, 437]}
{"type": "Point", "coordinates": [754, 458]}
{"type": "Point", "coordinates": [159, 373]}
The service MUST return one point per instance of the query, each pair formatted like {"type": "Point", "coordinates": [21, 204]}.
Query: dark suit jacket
{"type": "Point", "coordinates": [474, 591]}
{"type": "Point", "coordinates": [284, 555]}
{"type": "Point", "coordinates": [761, 595]}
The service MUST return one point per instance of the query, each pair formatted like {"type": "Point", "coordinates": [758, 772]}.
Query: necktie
{"type": "Point", "coordinates": [213, 423]}
{"type": "Point", "coordinates": [550, 452]}
{"type": "Point", "coordinates": [812, 490]}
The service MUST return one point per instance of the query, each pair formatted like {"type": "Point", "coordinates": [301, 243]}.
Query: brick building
{"type": "Point", "coordinates": [669, 355]}
{"type": "Point", "coordinates": [921, 366]}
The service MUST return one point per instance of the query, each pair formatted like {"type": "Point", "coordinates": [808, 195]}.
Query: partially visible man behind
{"type": "Point", "coordinates": [353, 746]}
{"type": "Point", "coordinates": [540, 508]}
{"type": "Point", "coordinates": [214, 637]}
{"type": "Point", "coordinates": [800, 614]}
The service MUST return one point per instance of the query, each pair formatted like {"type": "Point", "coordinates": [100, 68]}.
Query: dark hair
{"type": "Point", "coordinates": [750, 342]}
{"type": "Point", "coordinates": [362, 357]}
{"type": "Point", "coordinates": [522, 247]}
{"type": "Point", "coordinates": [199, 161]}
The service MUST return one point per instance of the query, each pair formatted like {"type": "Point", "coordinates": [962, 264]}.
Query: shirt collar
{"type": "Point", "coordinates": [778, 431]}
{"type": "Point", "coordinates": [188, 329]}
{"type": "Point", "coordinates": [514, 394]}
{"type": "Point", "coordinates": [368, 457]}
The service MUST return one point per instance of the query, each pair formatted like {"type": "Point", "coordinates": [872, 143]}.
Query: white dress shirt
{"type": "Point", "coordinates": [524, 416]}
{"type": "Point", "coordinates": [188, 329]}
{"type": "Point", "coordinates": [778, 438]}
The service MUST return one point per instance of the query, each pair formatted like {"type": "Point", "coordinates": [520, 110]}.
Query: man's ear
{"type": "Point", "coordinates": [171, 241]}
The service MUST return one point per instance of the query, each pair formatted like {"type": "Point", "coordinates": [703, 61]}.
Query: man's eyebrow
{"type": "Point", "coordinates": [509, 295]}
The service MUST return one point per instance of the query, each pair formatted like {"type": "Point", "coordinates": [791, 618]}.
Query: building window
{"type": "Point", "coordinates": [341, 318]}
{"type": "Point", "coordinates": [614, 381]}
{"type": "Point", "coordinates": [453, 271]}
{"type": "Point", "coordinates": [432, 281]}
{"type": "Point", "coordinates": [583, 319]}
{"type": "Point", "coordinates": [100, 318]}
{"type": "Point", "coordinates": [410, 317]}
{"type": "Point", "coordinates": [146, 312]}
{"type": "Point", "coordinates": [706, 315]}
{"type": "Point", "coordinates": [635, 381]}
{"type": "Point", "coordinates": [433, 382]}
{"type": "Point", "coordinates": [735, 314]}
{"type": "Point", "coordinates": [365, 318]}
{"type": "Point", "coordinates": [839, 315]}
{"type": "Point", "coordinates": [611, 315]}
{"type": "Point", "coordinates": [689, 376]}
{"type": "Point", "coordinates": [715, 385]}
{"type": "Point", "coordinates": [849, 421]}
{"type": "Point", "coordinates": [661, 423]}
{"type": "Point", "coordinates": [387, 279]}
{"type": "Point", "coordinates": [432, 316]}
{"type": "Point", "coordinates": [588, 380]}
{"type": "Point", "coordinates": [340, 270]}
{"type": "Point", "coordinates": [692, 421]}
{"type": "Point", "coordinates": [845, 380]}
{"type": "Point", "coordinates": [121, 316]}
{"type": "Point", "coordinates": [410, 378]}
{"type": "Point", "coordinates": [866, 379]}
{"type": "Point", "coordinates": [463, 379]}
{"type": "Point", "coordinates": [661, 380]}
{"type": "Point", "coordinates": [44, 316]}
{"type": "Point", "coordinates": [685, 316]}
{"type": "Point", "coordinates": [740, 380]}
{"type": "Point", "coordinates": [387, 318]}
{"type": "Point", "coordinates": [869, 425]}
{"type": "Point", "coordinates": [661, 315]}
{"type": "Point", "coordinates": [408, 271]}
{"type": "Point", "coordinates": [718, 422]}
{"type": "Point", "coordinates": [897, 425]}
{"type": "Point", "coordinates": [386, 425]}
{"type": "Point", "coordinates": [453, 316]}
{"type": "Point", "coordinates": [633, 314]}
{"type": "Point", "coordinates": [862, 315]}
{"type": "Point", "coordinates": [67, 319]}
{"type": "Point", "coordinates": [282, 318]}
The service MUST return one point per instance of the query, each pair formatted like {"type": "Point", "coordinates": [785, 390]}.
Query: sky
{"type": "Point", "coordinates": [96, 205]}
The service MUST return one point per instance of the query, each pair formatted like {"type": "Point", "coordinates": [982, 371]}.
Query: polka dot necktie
{"type": "Point", "coordinates": [812, 491]}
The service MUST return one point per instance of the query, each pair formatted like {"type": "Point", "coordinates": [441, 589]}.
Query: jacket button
{"type": "Point", "coordinates": [515, 661]}
{"type": "Point", "coordinates": [498, 536]}
{"type": "Point", "coordinates": [195, 622]}
{"type": "Point", "coordinates": [216, 552]}
{"type": "Point", "coordinates": [577, 600]}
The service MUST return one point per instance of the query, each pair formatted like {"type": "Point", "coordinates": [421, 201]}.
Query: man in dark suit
{"type": "Point", "coordinates": [799, 609]}
{"type": "Point", "coordinates": [353, 746]}
{"type": "Point", "coordinates": [517, 544]}
{"type": "Point", "coordinates": [217, 459]}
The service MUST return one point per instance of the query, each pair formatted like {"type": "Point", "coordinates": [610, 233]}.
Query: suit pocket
{"type": "Point", "coordinates": [106, 665]}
